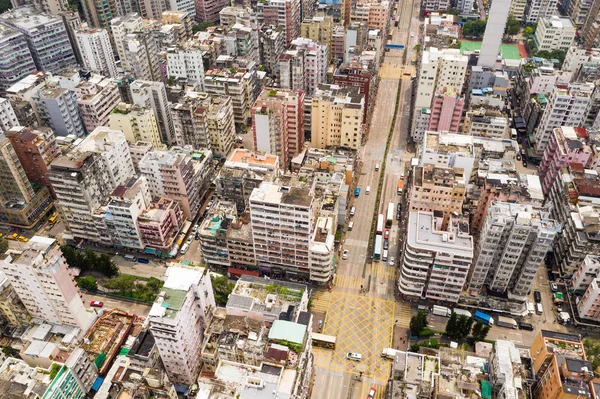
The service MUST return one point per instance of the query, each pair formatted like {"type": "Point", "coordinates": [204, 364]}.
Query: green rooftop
{"type": "Point", "coordinates": [508, 51]}
{"type": "Point", "coordinates": [283, 330]}
{"type": "Point", "coordinates": [173, 301]}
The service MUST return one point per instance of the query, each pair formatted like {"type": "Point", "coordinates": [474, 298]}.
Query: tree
{"type": "Point", "coordinates": [9, 351]}
{"type": "Point", "coordinates": [474, 28]}
{"type": "Point", "coordinates": [417, 48]}
{"type": "Point", "coordinates": [451, 330]}
{"type": "Point", "coordinates": [123, 283]}
{"type": "Point", "coordinates": [513, 26]}
{"type": "Point", "coordinates": [480, 331]}
{"type": "Point", "coordinates": [88, 283]}
{"type": "Point", "coordinates": [222, 287]}
{"type": "Point", "coordinates": [528, 31]}
{"type": "Point", "coordinates": [418, 323]}
{"type": "Point", "coordinates": [465, 323]}
{"type": "Point", "coordinates": [3, 245]}
{"type": "Point", "coordinates": [202, 26]}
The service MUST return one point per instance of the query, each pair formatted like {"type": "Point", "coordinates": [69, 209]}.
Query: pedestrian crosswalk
{"type": "Point", "coordinates": [320, 301]}
{"type": "Point", "coordinates": [381, 270]}
{"type": "Point", "coordinates": [342, 280]}
{"type": "Point", "coordinates": [404, 315]}
{"type": "Point", "coordinates": [389, 71]}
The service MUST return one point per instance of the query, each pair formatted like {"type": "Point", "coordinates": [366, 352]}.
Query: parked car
{"type": "Point", "coordinates": [354, 356]}
{"type": "Point", "coordinates": [372, 392]}
{"type": "Point", "coordinates": [386, 234]}
{"type": "Point", "coordinates": [398, 215]}
{"type": "Point", "coordinates": [392, 261]}
{"type": "Point", "coordinates": [143, 260]}
{"type": "Point", "coordinates": [518, 157]}
{"type": "Point", "coordinates": [537, 296]}
{"type": "Point", "coordinates": [553, 286]}
{"type": "Point", "coordinates": [345, 254]}
{"type": "Point", "coordinates": [399, 207]}
{"type": "Point", "coordinates": [386, 244]}
{"type": "Point", "coordinates": [96, 304]}
{"type": "Point", "coordinates": [524, 163]}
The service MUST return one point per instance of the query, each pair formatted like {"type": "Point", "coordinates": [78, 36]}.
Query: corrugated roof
{"type": "Point", "coordinates": [289, 331]}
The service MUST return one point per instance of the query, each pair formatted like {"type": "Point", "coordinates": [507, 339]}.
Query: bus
{"type": "Point", "coordinates": [390, 215]}
{"type": "Point", "coordinates": [377, 249]}
{"type": "Point", "coordinates": [379, 224]}
{"type": "Point", "coordinates": [323, 341]}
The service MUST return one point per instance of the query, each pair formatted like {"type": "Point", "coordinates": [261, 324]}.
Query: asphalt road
{"type": "Point", "coordinates": [363, 320]}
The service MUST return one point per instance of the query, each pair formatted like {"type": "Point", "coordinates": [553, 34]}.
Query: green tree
{"type": "Point", "coordinates": [465, 323]}
{"type": "Point", "coordinates": [451, 326]}
{"type": "Point", "coordinates": [222, 287]}
{"type": "Point", "coordinates": [9, 351]}
{"type": "Point", "coordinates": [88, 283]}
{"type": "Point", "coordinates": [123, 283]}
{"type": "Point", "coordinates": [202, 26]}
{"type": "Point", "coordinates": [528, 31]}
{"type": "Point", "coordinates": [480, 331]}
{"type": "Point", "coordinates": [418, 323]}
{"type": "Point", "coordinates": [513, 26]}
{"type": "Point", "coordinates": [54, 369]}
{"type": "Point", "coordinates": [3, 245]}
{"type": "Point", "coordinates": [474, 28]}
{"type": "Point", "coordinates": [417, 48]}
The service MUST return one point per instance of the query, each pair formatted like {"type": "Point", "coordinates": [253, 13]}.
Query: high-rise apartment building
{"type": "Point", "coordinates": [336, 117]}
{"type": "Point", "coordinates": [554, 33]}
{"type": "Point", "coordinates": [281, 219]}
{"type": "Point", "coordinates": [8, 118]}
{"type": "Point", "coordinates": [208, 10]}
{"type": "Point", "coordinates": [121, 27]}
{"type": "Point", "coordinates": [315, 64]}
{"type": "Point", "coordinates": [437, 188]}
{"type": "Point", "coordinates": [57, 108]}
{"type": "Point", "coordinates": [512, 245]}
{"type": "Point", "coordinates": [178, 319]}
{"type": "Point", "coordinates": [137, 123]}
{"type": "Point", "coordinates": [185, 62]}
{"type": "Point", "coordinates": [174, 174]}
{"type": "Point", "coordinates": [141, 52]}
{"type": "Point", "coordinates": [36, 149]}
{"type": "Point", "coordinates": [11, 307]}
{"type": "Point", "coordinates": [239, 86]}
{"type": "Point", "coordinates": [446, 111]}
{"type": "Point", "coordinates": [567, 106]}
{"type": "Point", "coordinates": [271, 46]}
{"type": "Point", "coordinates": [318, 29]}
{"type": "Point", "coordinates": [435, 261]}
{"type": "Point", "coordinates": [154, 95]}
{"type": "Point", "coordinates": [537, 9]}
{"type": "Point", "coordinates": [291, 73]}
{"type": "Point", "coordinates": [46, 37]}
{"type": "Point", "coordinates": [85, 175]}
{"type": "Point", "coordinates": [283, 13]}
{"type": "Point", "coordinates": [278, 123]}
{"type": "Point", "coordinates": [159, 225]}
{"type": "Point", "coordinates": [75, 378]}
{"type": "Point", "coordinates": [41, 279]}
{"type": "Point", "coordinates": [96, 52]}
{"type": "Point", "coordinates": [97, 98]}
{"type": "Point", "coordinates": [591, 26]}
{"type": "Point", "coordinates": [16, 62]}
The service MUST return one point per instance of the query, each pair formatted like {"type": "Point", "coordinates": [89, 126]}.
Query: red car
{"type": "Point", "coordinates": [96, 304]}
{"type": "Point", "coordinates": [386, 234]}
{"type": "Point", "coordinates": [372, 393]}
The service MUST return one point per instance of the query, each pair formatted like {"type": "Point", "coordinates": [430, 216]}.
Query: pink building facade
{"type": "Point", "coordinates": [567, 145]}
{"type": "Point", "coordinates": [446, 112]}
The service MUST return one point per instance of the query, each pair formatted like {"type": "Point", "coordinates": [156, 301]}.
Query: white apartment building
{"type": "Point", "coordinates": [178, 318]}
{"type": "Point", "coordinates": [96, 52]}
{"type": "Point", "coordinates": [97, 98]}
{"type": "Point", "coordinates": [487, 126]}
{"type": "Point", "coordinates": [439, 69]}
{"type": "Point", "coordinates": [8, 118]}
{"type": "Point", "coordinates": [185, 62]}
{"type": "Point", "coordinates": [188, 6]}
{"type": "Point", "coordinates": [239, 86]}
{"type": "Point", "coordinates": [322, 250]}
{"type": "Point", "coordinates": [154, 95]}
{"type": "Point", "coordinates": [577, 56]}
{"type": "Point", "coordinates": [57, 108]}
{"type": "Point", "coordinates": [588, 271]}
{"type": "Point", "coordinates": [537, 9]}
{"type": "Point", "coordinates": [281, 219]}
{"type": "Point", "coordinates": [121, 27]}
{"type": "Point", "coordinates": [40, 277]}
{"type": "Point", "coordinates": [435, 263]}
{"type": "Point", "coordinates": [554, 33]}
{"type": "Point", "coordinates": [142, 54]}
{"type": "Point", "coordinates": [567, 106]}
{"type": "Point", "coordinates": [517, 9]}
{"type": "Point", "coordinates": [514, 240]}
{"type": "Point", "coordinates": [17, 61]}
{"type": "Point", "coordinates": [126, 203]}
{"type": "Point", "coordinates": [588, 306]}
{"type": "Point", "coordinates": [85, 175]}
{"type": "Point", "coordinates": [336, 117]}
{"type": "Point", "coordinates": [291, 69]}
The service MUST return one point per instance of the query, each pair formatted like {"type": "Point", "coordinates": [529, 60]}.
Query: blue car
{"type": "Point", "coordinates": [143, 260]}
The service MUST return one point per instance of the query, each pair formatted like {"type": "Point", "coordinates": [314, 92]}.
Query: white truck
{"type": "Point", "coordinates": [441, 311]}
{"type": "Point", "coordinates": [462, 312]}
{"type": "Point", "coordinates": [507, 322]}
{"type": "Point", "coordinates": [389, 353]}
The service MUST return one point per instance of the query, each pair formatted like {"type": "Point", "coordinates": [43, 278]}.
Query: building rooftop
{"type": "Point", "coordinates": [283, 330]}
{"type": "Point", "coordinates": [27, 19]}
{"type": "Point", "coordinates": [423, 234]}
{"type": "Point", "coordinates": [18, 380]}
{"type": "Point", "coordinates": [174, 291]}
{"type": "Point", "coordinates": [246, 159]}
{"type": "Point", "coordinates": [278, 194]}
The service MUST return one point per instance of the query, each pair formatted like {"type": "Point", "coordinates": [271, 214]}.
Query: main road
{"type": "Point", "coordinates": [360, 309]}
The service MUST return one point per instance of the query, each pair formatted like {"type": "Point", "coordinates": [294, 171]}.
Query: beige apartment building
{"type": "Point", "coordinates": [336, 117]}
{"type": "Point", "coordinates": [437, 189]}
{"type": "Point", "coordinates": [137, 123]}
{"type": "Point", "coordinates": [318, 29]}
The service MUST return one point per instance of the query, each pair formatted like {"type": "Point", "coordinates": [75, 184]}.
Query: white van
{"type": "Point", "coordinates": [385, 255]}
{"type": "Point", "coordinates": [354, 356]}
{"type": "Point", "coordinates": [350, 225]}
{"type": "Point", "coordinates": [130, 258]}
{"type": "Point", "coordinates": [184, 248]}
{"type": "Point", "coordinates": [368, 190]}
{"type": "Point", "coordinates": [376, 166]}
{"type": "Point", "coordinates": [352, 211]}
